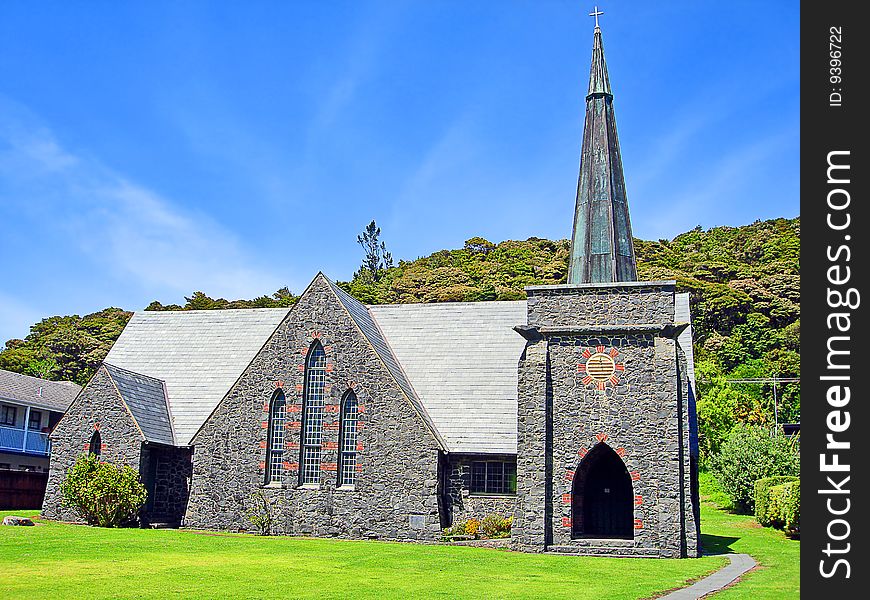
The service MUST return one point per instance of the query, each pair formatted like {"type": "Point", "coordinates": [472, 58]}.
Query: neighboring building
{"type": "Point", "coordinates": [29, 409]}
{"type": "Point", "coordinates": [572, 410]}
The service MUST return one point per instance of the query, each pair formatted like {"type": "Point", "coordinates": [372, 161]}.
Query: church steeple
{"type": "Point", "coordinates": [602, 250]}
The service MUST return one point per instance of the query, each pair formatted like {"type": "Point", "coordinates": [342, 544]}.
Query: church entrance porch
{"type": "Point", "coordinates": [166, 472]}
{"type": "Point", "coordinates": [601, 497]}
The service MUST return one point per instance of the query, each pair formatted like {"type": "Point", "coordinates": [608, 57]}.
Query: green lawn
{"type": "Point", "coordinates": [778, 575]}
{"type": "Point", "coordinates": [64, 561]}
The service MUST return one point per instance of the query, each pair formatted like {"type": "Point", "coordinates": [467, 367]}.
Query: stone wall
{"type": "Point", "coordinates": [98, 406]}
{"type": "Point", "coordinates": [641, 414]}
{"type": "Point", "coordinates": [461, 503]}
{"type": "Point", "coordinates": [397, 488]}
{"type": "Point", "coordinates": [583, 305]}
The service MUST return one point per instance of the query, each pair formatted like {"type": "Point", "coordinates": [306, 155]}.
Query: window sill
{"type": "Point", "coordinates": [482, 495]}
{"type": "Point", "coordinates": [346, 488]}
{"type": "Point", "coordinates": [273, 485]}
{"type": "Point", "coordinates": [308, 486]}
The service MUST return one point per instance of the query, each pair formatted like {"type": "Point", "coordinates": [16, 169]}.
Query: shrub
{"type": "Point", "coordinates": [260, 512]}
{"type": "Point", "coordinates": [791, 512]}
{"type": "Point", "coordinates": [750, 454]}
{"type": "Point", "coordinates": [491, 526]}
{"type": "Point", "coordinates": [472, 527]}
{"type": "Point", "coordinates": [495, 526]}
{"type": "Point", "coordinates": [103, 494]}
{"type": "Point", "coordinates": [458, 528]}
{"type": "Point", "coordinates": [784, 506]}
{"type": "Point", "coordinates": [763, 498]}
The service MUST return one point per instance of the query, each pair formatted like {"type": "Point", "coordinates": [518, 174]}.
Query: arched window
{"type": "Point", "coordinates": [96, 445]}
{"type": "Point", "coordinates": [347, 440]}
{"type": "Point", "coordinates": [275, 446]}
{"type": "Point", "coordinates": [312, 414]}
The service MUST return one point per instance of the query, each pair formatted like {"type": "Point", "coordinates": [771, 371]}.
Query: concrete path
{"type": "Point", "coordinates": [740, 563]}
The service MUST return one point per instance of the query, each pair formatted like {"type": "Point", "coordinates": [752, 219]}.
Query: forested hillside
{"type": "Point", "coordinates": [744, 284]}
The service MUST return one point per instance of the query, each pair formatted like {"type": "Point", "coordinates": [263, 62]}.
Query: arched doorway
{"type": "Point", "coordinates": [601, 497]}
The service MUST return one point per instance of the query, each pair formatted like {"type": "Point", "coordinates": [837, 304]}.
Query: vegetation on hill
{"type": "Point", "coordinates": [745, 295]}
{"type": "Point", "coordinates": [66, 348]}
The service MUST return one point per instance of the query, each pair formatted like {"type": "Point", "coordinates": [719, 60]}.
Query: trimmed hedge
{"type": "Point", "coordinates": [778, 503]}
{"type": "Point", "coordinates": [762, 498]}
{"type": "Point", "coordinates": [786, 499]}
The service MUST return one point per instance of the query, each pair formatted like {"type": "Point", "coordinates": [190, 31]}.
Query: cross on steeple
{"type": "Point", "coordinates": [602, 250]}
{"type": "Point", "coordinates": [595, 13]}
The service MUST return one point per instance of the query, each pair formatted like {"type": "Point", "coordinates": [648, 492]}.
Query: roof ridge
{"type": "Point", "coordinates": [110, 365]}
{"type": "Point", "coordinates": [139, 410]}
{"type": "Point", "coordinates": [346, 299]}
{"type": "Point", "coordinates": [447, 303]}
{"type": "Point", "coordinates": [212, 310]}
{"type": "Point", "coordinates": [39, 379]}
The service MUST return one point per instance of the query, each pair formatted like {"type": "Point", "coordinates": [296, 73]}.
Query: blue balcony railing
{"type": "Point", "coordinates": [12, 438]}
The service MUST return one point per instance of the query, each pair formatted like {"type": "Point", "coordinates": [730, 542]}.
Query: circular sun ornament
{"type": "Point", "coordinates": [600, 367]}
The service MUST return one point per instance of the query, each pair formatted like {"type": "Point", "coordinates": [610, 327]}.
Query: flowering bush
{"type": "Point", "coordinates": [472, 527]}
{"type": "Point", "coordinates": [491, 526]}
{"type": "Point", "coordinates": [496, 526]}
{"type": "Point", "coordinates": [102, 493]}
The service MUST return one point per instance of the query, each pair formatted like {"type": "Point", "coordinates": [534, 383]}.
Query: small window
{"type": "Point", "coordinates": [7, 415]}
{"type": "Point", "coordinates": [35, 421]}
{"type": "Point", "coordinates": [347, 440]}
{"type": "Point", "coordinates": [96, 445]}
{"type": "Point", "coordinates": [493, 477]}
{"type": "Point", "coordinates": [277, 418]}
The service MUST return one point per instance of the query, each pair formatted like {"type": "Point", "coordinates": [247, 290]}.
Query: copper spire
{"type": "Point", "coordinates": [602, 250]}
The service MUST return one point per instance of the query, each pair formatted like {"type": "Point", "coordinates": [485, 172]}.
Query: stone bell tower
{"type": "Point", "coordinates": [607, 459]}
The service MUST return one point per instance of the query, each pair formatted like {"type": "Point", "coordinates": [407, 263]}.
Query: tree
{"type": "Point", "coordinates": [376, 259]}
{"type": "Point", "coordinates": [750, 453]}
{"type": "Point", "coordinates": [42, 368]}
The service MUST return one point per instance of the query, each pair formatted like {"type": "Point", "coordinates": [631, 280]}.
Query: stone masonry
{"type": "Point", "coordinates": [461, 504]}
{"type": "Point", "coordinates": [396, 495]}
{"type": "Point", "coordinates": [98, 407]}
{"type": "Point", "coordinates": [166, 471]}
{"type": "Point", "coordinates": [642, 414]}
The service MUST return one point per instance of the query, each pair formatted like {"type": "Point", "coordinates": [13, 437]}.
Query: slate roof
{"type": "Point", "coordinates": [456, 363]}
{"type": "Point", "coordinates": [36, 392]}
{"type": "Point", "coordinates": [461, 359]}
{"type": "Point", "coordinates": [361, 315]}
{"type": "Point", "coordinates": [146, 398]}
{"type": "Point", "coordinates": [199, 354]}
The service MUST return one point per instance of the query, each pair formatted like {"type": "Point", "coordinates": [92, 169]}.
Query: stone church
{"type": "Point", "coordinates": [572, 410]}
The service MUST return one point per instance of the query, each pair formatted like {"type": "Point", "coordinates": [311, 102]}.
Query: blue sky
{"type": "Point", "coordinates": [150, 149]}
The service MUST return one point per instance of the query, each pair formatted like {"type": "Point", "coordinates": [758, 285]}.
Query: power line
{"type": "Point", "coordinates": [764, 380]}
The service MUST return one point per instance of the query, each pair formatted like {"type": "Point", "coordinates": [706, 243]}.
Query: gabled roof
{"type": "Point", "coordinates": [461, 359]}
{"type": "Point", "coordinates": [360, 314]}
{"type": "Point", "coordinates": [199, 354]}
{"type": "Point", "coordinates": [146, 398]}
{"type": "Point", "coordinates": [36, 392]}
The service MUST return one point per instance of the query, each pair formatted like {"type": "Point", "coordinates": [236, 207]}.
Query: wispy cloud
{"type": "Point", "coordinates": [711, 193]}
{"type": "Point", "coordinates": [128, 231]}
